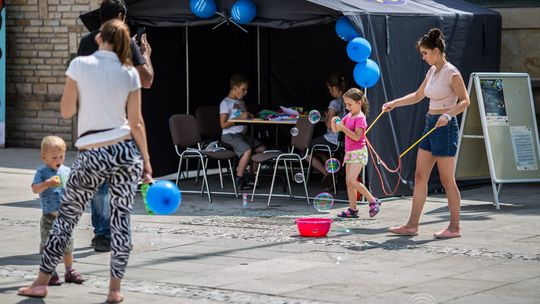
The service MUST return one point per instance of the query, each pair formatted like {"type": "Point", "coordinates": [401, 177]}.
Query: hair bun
{"type": "Point", "coordinates": [435, 33]}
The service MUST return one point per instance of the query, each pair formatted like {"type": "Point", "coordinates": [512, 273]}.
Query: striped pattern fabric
{"type": "Point", "coordinates": [122, 165]}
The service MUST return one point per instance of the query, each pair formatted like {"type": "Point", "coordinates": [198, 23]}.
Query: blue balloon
{"type": "Point", "coordinates": [345, 30]}
{"type": "Point", "coordinates": [243, 11]}
{"type": "Point", "coordinates": [163, 197]}
{"type": "Point", "coordinates": [203, 8]}
{"type": "Point", "coordinates": [358, 49]}
{"type": "Point", "coordinates": [366, 73]}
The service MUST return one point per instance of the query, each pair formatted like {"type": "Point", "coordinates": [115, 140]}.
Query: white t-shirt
{"type": "Point", "coordinates": [103, 85]}
{"type": "Point", "coordinates": [234, 108]}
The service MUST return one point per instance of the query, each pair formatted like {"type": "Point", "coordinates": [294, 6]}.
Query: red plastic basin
{"type": "Point", "coordinates": [313, 227]}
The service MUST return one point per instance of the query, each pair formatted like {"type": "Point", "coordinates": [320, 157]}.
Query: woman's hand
{"type": "Point", "coordinates": [147, 172]}
{"type": "Point", "coordinates": [442, 121]}
{"type": "Point", "coordinates": [389, 106]}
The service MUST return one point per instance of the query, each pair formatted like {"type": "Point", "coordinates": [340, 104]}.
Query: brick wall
{"type": "Point", "coordinates": [41, 37]}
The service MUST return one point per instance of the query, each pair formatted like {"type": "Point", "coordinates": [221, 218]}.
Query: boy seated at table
{"type": "Point", "coordinates": [233, 107]}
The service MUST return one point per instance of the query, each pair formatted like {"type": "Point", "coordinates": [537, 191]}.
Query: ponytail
{"type": "Point", "coordinates": [116, 33]}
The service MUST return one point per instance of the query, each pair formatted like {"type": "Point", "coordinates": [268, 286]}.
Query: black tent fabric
{"type": "Point", "coordinates": [289, 50]}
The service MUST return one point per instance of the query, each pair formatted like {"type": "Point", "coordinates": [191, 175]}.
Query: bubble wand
{"type": "Point", "coordinates": [419, 140]}
{"type": "Point", "coordinates": [371, 125]}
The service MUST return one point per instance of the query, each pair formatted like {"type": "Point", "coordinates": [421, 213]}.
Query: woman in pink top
{"type": "Point", "coordinates": [444, 87]}
{"type": "Point", "coordinates": [354, 125]}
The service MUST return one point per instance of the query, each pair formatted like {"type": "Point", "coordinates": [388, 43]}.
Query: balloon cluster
{"type": "Point", "coordinates": [242, 11]}
{"type": "Point", "coordinates": [366, 73]}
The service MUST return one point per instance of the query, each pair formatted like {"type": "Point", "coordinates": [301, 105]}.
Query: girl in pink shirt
{"type": "Point", "coordinates": [354, 125]}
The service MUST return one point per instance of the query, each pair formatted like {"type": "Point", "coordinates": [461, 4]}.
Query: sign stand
{"type": "Point", "coordinates": [499, 135]}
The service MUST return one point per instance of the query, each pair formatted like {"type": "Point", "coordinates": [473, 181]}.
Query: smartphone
{"type": "Point", "coordinates": [140, 32]}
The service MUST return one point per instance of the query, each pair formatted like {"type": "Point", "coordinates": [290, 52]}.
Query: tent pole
{"type": "Point", "coordinates": [258, 66]}
{"type": "Point", "coordinates": [187, 71]}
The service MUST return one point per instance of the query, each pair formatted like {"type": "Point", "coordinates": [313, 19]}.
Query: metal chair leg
{"type": "Point", "coordinates": [205, 179]}
{"type": "Point", "coordinates": [198, 171]}
{"type": "Point", "coordinates": [220, 176]}
{"type": "Point", "coordinates": [272, 184]}
{"type": "Point", "coordinates": [333, 175]}
{"type": "Point", "coordinates": [179, 170]}
{"type": "Point", "coordinates": [232, 177]}
{"type": "Point", "coordinates": [305, 184]}
{"type": "Point", "coordinates": [202, 184]}
{"type": "Point", "coordinates": [287, 176]}
{"type": "Point", "coordinates": [256, 182]}
{"type": "Point", "coordinates": [309, 167]}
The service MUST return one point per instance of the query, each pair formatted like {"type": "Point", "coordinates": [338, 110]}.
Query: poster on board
{"type": "Point", "coordinates": [494, 103]}
{"type": "Point", "coordinates": [523, 146]}
{"type": "Point", "coordinates": [499, 135]}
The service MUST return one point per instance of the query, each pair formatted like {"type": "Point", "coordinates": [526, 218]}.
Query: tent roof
{"type": "Point", "coordinates": [287, 13]}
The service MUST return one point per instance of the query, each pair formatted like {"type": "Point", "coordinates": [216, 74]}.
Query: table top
{"type": "Point", "coordinates": [262, 121]}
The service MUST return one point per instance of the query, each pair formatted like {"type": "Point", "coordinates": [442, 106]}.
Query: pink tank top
{"type": "Point", "coordinates": [438, 87]}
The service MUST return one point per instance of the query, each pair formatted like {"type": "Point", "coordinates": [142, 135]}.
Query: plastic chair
{"type": "Point", "coordinates": [186, 135]}
{"type": "Point", "coordinates": [208, 120]}
{"type": "Point", "coordinates": [299, 143]}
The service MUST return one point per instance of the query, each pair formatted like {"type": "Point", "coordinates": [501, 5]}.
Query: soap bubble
{"type": "Point", "coordinates": [323, 201]}
{"type": "Point", "coordinates": [314, 116]}
{"type": "Point", "coordinates": [332, 165]}
{"type": "Point", "coordinates": [294, 131]}
{"type": "Point", "coordinates": [299, 177]}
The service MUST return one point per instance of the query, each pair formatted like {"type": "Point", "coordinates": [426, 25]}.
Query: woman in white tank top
{"type": "Point", "coordinates": [448, 96]}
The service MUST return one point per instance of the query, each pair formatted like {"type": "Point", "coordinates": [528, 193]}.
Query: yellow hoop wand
{"type": "Point", "coordinates": [371, 125]}
{"type": "Point", "coordinates": [424, 136]}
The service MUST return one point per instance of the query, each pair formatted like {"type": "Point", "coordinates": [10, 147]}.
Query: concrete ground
{"type": "Point", "coordinates": [223, 253]}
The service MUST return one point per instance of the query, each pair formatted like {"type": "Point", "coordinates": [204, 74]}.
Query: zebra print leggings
{"type": "Point", "coordinates": [122, 165]}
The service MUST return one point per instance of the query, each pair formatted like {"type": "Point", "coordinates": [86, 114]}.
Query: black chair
{"type": "Point", "coordinates": [208, 121]}
{"type": "Point", "coordinates": [186, 138]}
{"type": "Point", "coordinates": [298, 143]}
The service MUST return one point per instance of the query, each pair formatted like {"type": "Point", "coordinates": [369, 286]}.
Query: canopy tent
{"type": "Point", "coordinates": [289, 50]}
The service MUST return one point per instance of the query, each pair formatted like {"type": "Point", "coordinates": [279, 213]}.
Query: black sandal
{"type": "Point", "coordinates": [349, 213]}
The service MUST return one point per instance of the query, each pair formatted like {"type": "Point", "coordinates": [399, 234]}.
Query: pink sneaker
{"type": "Point", "coordinates": [72, 276]}
{"type": "Point", "coordinates": [447, 234]}
{"type": "Point", "coordinates": [55, 280]}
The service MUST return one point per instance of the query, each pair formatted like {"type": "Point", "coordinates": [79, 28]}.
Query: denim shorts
{"type": "Point", "coordinates": [443, 141]}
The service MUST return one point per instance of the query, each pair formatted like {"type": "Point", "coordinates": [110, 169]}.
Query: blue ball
{"type": "Point", "coordinates": [366, 73]}
{"type": "Point", "coordinates": [345, 30]}
{"type": "Point", "coordinates": [358, 49]}
{"type": "Point", "coordinates": [243, 11]}
{"type": "Point", "coordinates": [163, 197]}
{"type": "Point", "coordinates": [203, 8]}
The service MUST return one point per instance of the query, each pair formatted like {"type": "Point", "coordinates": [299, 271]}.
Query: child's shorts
{"type": "Point", "coordinates": [47, 221]}
{"type": "Point", "coordinates": [359, 156]}
{"type": "Point", "coordinates": [443, 141]}
{"type": "Point", "coordinates": [239, 142]}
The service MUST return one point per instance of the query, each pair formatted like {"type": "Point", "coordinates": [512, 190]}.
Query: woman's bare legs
{"type": "Point", "coordinates": [448, 180]}
{"type": "Point", "coordinates": [424, 164]}
{"type": "Point", "coordinates": [38, 288]}
{"type": "Point", "coordinates": [114, 295]}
